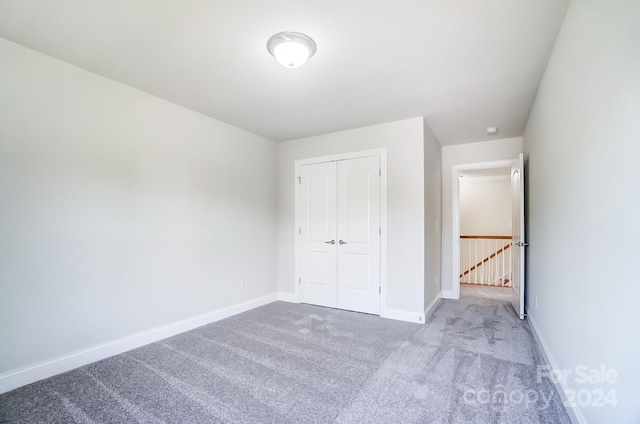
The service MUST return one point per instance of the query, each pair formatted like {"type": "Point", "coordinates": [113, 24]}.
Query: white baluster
{"type": "Point", "coordinates": [502, 254]}
{"type": "Point", "coordinates": [489, 268]}
{"type": "Point", "coordinates": [475, 261]}
{"type": "Point", "coordinates": [495, 263]}
{"type": "Point", "coordinates": [468, 276]}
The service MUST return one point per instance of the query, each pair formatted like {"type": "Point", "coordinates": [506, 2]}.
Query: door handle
{"type": "Point", "coordinates": [342, 242]}
{"type": "Point", "coordinates": [331, 242]}
{"type": "Point", "coordinates": [521, 244]}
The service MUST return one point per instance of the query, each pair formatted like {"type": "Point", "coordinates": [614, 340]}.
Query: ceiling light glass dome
{"type": "Point", "coordinates": [291, 49]}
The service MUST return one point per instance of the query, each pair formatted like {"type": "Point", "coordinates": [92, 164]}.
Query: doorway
{"type": "Point", "coordinates": [489, 266]}
{"type": "Point", "coordinates": [340, 216]}
{"type": "Point", "coordinates": [485, 231]}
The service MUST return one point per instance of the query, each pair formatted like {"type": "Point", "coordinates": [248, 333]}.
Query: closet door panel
{"type": "Point", "coordinates": [358, 225]}
{"type": "Point", "coordinates": [317, 217]}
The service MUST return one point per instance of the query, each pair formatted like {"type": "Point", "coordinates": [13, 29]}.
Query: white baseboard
{"type": "Point", "coordinates": [431, 308]}
{"type": "Point", "coordinates": [30, 374]}
{"type": "Point", "coordinates": [403, 315]}
{"type": "Point", "coordinates": [287, 297]}
{"type": "Point", "coordinates": [575, 413]}
{"type": "Point", "coordinates": [449, 294]}
{"type": "Point", "coordinates": [389, 313]}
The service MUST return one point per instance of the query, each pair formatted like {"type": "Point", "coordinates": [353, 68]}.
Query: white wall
{"type": "Point", "coordinates": [485, 206]}
{"type": "Point", "coordinates": [488, 151]}
{"type": "Point", "coordinates": [432, 216]}
{"type": "Point", "coordinates": [120, 212]}
{"type": "Point", "coordinates": [405, 186]}
{"type": "Point", "coordinates": [583, 174]}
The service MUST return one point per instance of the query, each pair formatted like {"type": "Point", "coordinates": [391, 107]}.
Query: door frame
{"type": "Point", "coordinates": [455, 212]}
{"type": "Point", "coordinates": [382, 154]}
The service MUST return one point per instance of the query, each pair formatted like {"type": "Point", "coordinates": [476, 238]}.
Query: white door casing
{"type": "Point", "coordinates": [339, 225]}
{"type": "Point", "coordinates": [455, 218]}
{"type": "Point", "coordinates": [518, 237]}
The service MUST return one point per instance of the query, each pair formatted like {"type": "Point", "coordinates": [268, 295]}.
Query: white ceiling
{"type": "Point", "coordinates": [462, 64]}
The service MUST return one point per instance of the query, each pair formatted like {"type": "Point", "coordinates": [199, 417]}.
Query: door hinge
{"type": "Point", "coordinates": [379, 290]}
{"type": "Point", "coordinates": [380, 172]}
{"type": "Point", "coordinates": [299, 280]}
{"type": "Point", "coordinates": [299, 180]}
{"type": "Point", "coordinates": [379, 230]}
{"type": "Point", "coordinates": [299, 230]}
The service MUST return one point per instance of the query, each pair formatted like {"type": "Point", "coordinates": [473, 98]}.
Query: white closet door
{"type": "Point", "coordinates": [358, 235]}
{"type": "Point", "coordinates": [317, 215]}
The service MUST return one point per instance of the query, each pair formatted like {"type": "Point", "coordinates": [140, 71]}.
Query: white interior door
{"type": "Point", "coordinates": [359, 234]}
{"type": "Point", "coordinates": [317, 215]}
{"type": "Point", "coordinates": [517, 256]}
{"type": "Point", "coordinates": [339, 247]}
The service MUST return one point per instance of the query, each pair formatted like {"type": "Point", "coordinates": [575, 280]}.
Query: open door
{"type": "Point", "coordinates": [517, 255]}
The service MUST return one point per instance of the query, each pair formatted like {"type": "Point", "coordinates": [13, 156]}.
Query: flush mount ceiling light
{"type": "Point", "coordinates": [492, 130]}
{"type": "Point", "coordinates": [291, 49]}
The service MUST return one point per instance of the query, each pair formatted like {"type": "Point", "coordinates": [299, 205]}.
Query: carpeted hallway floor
{"type": "Point", "coordinates": [474, 362]}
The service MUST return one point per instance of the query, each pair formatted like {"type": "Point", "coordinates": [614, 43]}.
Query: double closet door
{"type": "Point", "coordinates": [338, 207]}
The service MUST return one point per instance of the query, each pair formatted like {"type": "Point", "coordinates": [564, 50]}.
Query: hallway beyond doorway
{"type": "Point", "coordinates": [485, 292]}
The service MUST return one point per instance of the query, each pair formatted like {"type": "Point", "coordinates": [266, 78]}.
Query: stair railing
{"type": "Point", "coordinates": [485, 260]}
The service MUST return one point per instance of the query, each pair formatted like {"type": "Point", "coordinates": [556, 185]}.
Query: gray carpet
{"type": "Point", "coordinates": [474, 362]}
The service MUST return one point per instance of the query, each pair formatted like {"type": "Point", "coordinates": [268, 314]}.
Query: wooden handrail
{"type": "Point", "coordinates": [487, 237]}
